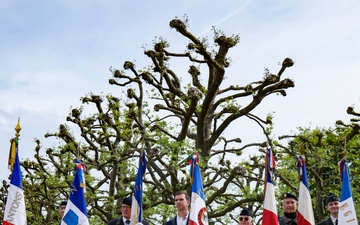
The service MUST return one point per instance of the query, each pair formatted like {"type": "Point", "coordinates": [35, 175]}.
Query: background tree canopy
{"type": "Point", "coordinates": [172, 108]}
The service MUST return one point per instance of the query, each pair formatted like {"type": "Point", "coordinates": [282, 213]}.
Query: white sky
{"type": "Point", "coordinates": [54, 52]}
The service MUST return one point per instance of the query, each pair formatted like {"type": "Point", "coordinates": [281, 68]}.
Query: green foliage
{"type": "Point", "coordinates": [323, 148]}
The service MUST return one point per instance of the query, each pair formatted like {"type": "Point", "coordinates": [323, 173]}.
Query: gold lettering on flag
{"type": "Point", "coordinates": [14, 206]}
{"type": "Point", "coordinates": [347, 213]}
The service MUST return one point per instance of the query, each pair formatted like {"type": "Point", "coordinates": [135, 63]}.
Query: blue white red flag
{"type": "Point", "coordinates": [15, 211]}
{"type": "Point", "coordinates": [305, 209]}
{"type": "Point", "coordinates": [269, 212]}
{"type": "Point", "coordinates": [136, 207]}
{"type": "Point", "coordinates": [347, 213]}
{"type": "Point", "coordinates": [198, 213]}
{"type": "Point", "coordinates": [75, 211]}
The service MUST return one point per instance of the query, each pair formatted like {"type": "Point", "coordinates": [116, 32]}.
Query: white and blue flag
{"type": "Point", "coordinates": [347, 213]}
{"type": "Point", "coordinates": [136, 206]}
{"type": "Point", "coordinates": [15, 211]}
{"type": "Point", "coordinates": [75, 212]}
{"type": "Point", "coordinates": [198, 212]}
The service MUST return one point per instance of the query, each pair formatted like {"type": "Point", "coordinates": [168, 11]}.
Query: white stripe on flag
{"type": "Point", "coordinates": [305, 206]}
{"type": "Point", "coordinates": [198, 210]}
{"type": "Point", "coordinates": [270, 201]}
{"type": "Point", "coordinates": [135, 211]}
{"type": "Point", "coordinates": [15, 211]}
{"type": "Point", "coordinates": [269, 213]}
{"type": "Point", "coordinates": [74, 216]}
{"type": "Point", "coordinates": [347, 214]}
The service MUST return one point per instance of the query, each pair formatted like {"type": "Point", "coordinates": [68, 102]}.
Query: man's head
{"type": "Point", "coordinates": [246, 217]}
{"type": "Point", "coordinates": [182, 201]}
{"type": "Point", "coordinates": [62, 207]}
{"type": "Point", "coordinates": [126, 207]}
{"type": "Point", "coordinates": [332, 202]}
{"type": "Point", "coordinates": [289, 203]}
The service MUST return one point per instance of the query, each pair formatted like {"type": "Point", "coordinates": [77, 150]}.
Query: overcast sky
{"type": "Point", "coordinates": [54, 52]}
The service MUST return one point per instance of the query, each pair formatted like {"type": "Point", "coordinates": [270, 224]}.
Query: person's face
{"type": "Point", "coordinates": [62, 210]}
{"type": "Point", "coordinates": [126, 211]}
{"type": "Point", "coordinates": [333, 208]}
{"type": "Point", "coordinates": [289, 205]}
{"type": "Point", "coordinates": [181, 203]}
{"type": "Point", "coordinates": [245, 220]}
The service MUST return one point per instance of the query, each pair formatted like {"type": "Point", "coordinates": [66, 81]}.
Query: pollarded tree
{"type": "Point", "coordinates": [323, 148]}
{"type": "Point", "coordinates": [189, 118]}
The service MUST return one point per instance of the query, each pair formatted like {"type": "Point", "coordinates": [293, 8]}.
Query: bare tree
{"type": "Point", "coordinates": [185, 119]}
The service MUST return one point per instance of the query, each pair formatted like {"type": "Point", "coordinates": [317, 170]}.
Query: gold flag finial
{"type": "Point", "coordinates": [18, 128]}
{"type": "Point", "coordinates": [13, 146]}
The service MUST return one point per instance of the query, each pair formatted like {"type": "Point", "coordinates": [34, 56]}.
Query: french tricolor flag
{"type": "Point", "coordinates": [269, 212]}
{"type": "Point", "coordinates": [305, 210]}
{"type": "Point", "coordinates": [347, 213]}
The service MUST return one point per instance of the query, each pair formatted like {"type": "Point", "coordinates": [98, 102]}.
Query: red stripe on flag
{"type": "Point", "coordinates": [301, 219]}
{"type": "Point", "coordinates": [269, 218]}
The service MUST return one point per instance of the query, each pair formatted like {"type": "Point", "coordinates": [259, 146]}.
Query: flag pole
{"type": "Point", "coordinates": [266, 168]}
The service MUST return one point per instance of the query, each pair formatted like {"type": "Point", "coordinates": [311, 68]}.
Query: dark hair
{"type": "Point", "coordinates": [63, 203]}
{"type": "Point", "coordinates": [187, 196]}
{"type": "Point", "coordinates": [127, 201]}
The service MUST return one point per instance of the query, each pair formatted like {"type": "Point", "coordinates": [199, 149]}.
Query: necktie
{"type": "Point", "coordinates": [336, 222]}
{"type": "Point", "coordinates": [127, 222]}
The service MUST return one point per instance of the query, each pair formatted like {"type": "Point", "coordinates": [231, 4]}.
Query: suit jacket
{"type": "Point", "coordinates": [120, 221]}
{"type": "Point", "coordinates": [287, 221]}
{"type": "Point", "coordinates": [327, 221]}
{"type": "Point", "coordinates": [173, 221]}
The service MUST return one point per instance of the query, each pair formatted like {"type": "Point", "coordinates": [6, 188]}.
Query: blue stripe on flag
{"type": "Point", "coordinates": [346, 185]}
{"type": "Point", "coordinates": [197, 185]}
{"type": "Point", "coordinates": [304, 178]}
{"type": "Point", "coordinates": [139, 183]}
{"type": "Point", "coordinates": [16, 177]}
{"type": "Point", "coordinates": [71, 218]}
{"type": "Point", "coordinates": [270, 166]}
{"type": "Point", "coordinates": [77, 194]}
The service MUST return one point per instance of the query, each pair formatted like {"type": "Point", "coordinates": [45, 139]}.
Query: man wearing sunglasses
{"type": "Point", "coordinates": [126, 214]}
{"type": "Point", "coordinates": [246, 217]}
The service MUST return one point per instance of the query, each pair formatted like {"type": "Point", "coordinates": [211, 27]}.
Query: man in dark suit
{"type": "Point", "coordinates": [182, 202]}
{"type": "Point", "coordinates": [289, 204]}
{"type": "Point", "coordinates": [331, 203]}
{"type": "Point", "coordinates": [126, 214]}
{"type": "Point", "coordinates": [62, 208]}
